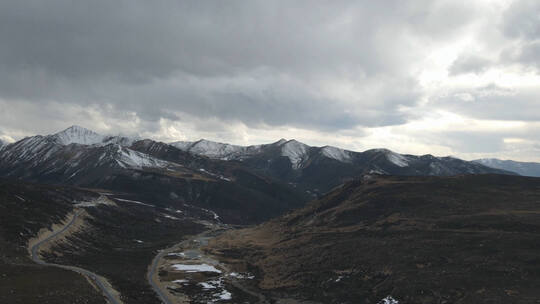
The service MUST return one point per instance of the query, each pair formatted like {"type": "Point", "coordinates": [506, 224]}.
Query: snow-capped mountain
{"type": "Point", "coordinates": [72, 147]}
{"type": "Point", "coordinates": [83, 136]}
{"type": "Point", "coordinates": [522, 168]}
{"type": "Point", "coordinates": [78, 135]}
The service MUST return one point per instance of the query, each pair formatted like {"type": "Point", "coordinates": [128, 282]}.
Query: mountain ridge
{"type": "Point", "coordinates": [522, 168]}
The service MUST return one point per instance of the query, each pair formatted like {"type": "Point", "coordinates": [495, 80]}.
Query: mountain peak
{"type": "Point", "coordinates": [78, 135]}
{"type": "Point", "coordinates": [77, 128]}
{"type": "Point", "coordinates": [280, 142]}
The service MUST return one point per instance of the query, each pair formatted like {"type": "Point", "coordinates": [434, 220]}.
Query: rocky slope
{"type": "Point", "coordinates": [462, 239]}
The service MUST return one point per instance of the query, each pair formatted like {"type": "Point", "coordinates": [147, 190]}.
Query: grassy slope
{"type": "Point", "coordinates": [465, 239]}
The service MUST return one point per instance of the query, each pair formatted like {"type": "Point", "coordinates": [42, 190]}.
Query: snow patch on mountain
{"type": "Point", "coordinates": [295, 151]}
{"type": "Point", "coordinates": [217, 150]}
{"type": "Point", "coordinates": [393, 157]}
{"type": "Point", "coordinates": [336, 153]}
{"type": "Point", "coordinates": [214, 149]}
{"type": "Point", "coordinates": [128, 158]}
{"type": "Point", "coordinates": [397, 159]}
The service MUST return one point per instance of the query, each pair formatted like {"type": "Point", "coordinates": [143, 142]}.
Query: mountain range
{"type": "Point", "coordinates": [79, 156]}
{"type": "Point", "coordinates": [156, 171]}
{"type": "Point", "coordinates": [319, 169]}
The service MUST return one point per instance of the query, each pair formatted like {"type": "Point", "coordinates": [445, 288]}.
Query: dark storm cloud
{"type": "Point", "coordinates": [257, 62]}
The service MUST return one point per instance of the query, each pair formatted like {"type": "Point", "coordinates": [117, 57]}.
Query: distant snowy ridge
{"type": "Point", "coordinates": [522, 168]}
{"type": "Point", "coordinates": [381, 161]}
{"type": "Point", "coordinates": [128, 158]}
{"type": "Point", "coordinates": [215, 150]}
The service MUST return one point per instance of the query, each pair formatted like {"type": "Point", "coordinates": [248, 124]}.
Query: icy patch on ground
{"type": "Point", "coordinates": [206, 285]}
{"type": "Point", "coordinates": [237, 275]}
{"type": "Point", "coordinates": [196, 268]}
{"type": "Point", "coordinates": [224, 295]}
{"type": "Point", "coordinates": [377, 171]}
{"type": "Point", "coordinates": [220, 293]}
{"type": "Point", "coordinates": [215, 175]}
{"type": "Point", "coordinates": [180, 281]}
{"type": "Point", "coordinates": [388, 300]}
{"type": "Point", "coordinates": [170, 217]}
{"type": "Point", "coordinates": [134, 202]}
{"type": "Point", "coordinates": [102, 200]}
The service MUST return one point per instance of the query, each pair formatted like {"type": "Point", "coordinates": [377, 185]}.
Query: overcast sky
{"type": "Point", "coordinates": [449, 77]}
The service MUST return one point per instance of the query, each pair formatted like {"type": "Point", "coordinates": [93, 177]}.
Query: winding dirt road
{"type": "Point", "coordinates": [105, 287]}
{"type": "Point", "coordinates": [194, 243]}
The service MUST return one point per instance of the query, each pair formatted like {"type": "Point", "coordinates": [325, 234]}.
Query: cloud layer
{"type": "Point", "coordinates": [357, 74]}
